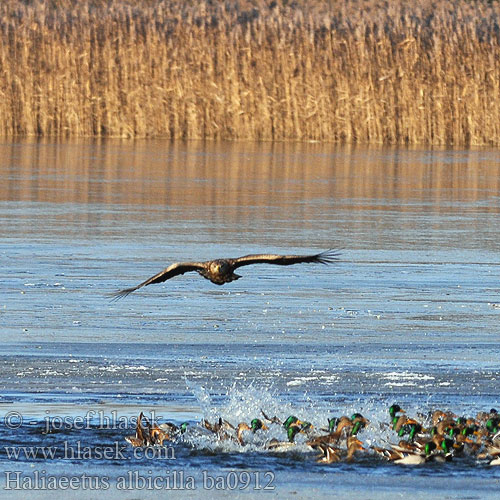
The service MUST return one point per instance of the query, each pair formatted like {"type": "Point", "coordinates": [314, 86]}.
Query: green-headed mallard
{"type": "Point", "coordinates": [255, 425]}
{"type": "Point", "coordinates": [358, 422]}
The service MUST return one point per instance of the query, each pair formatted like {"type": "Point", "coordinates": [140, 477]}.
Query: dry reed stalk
{"type": "Point", "coordinates": [345, 71]}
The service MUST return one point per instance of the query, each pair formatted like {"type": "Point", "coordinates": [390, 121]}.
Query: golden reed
{"type": "Point", "coordinates": [386, 72]}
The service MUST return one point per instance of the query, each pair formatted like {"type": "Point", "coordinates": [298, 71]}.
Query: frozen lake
{"type": "Point", "coordinates": [410, 314]}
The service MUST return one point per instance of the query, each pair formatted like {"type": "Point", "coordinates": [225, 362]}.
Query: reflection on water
{"type": "Point", "coordinates": [242, 174]}
{"type": "Point", "coordinates": [409, 313]}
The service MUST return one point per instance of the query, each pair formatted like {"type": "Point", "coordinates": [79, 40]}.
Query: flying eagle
{"type": "Point", "coordinates": [220, 271]}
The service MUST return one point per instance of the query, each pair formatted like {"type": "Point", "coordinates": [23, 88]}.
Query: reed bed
{"type": "Point", "coordinates": [393, 72]}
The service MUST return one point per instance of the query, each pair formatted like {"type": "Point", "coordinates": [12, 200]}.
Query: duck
{"type": "Point", "coordinates": [444, 425]}
{"type": "Point", "coordinates": [411, 459]}
{"type": "Point", "coordinates": [408, 447]}
{"type": "Point", "coordinates": [494, 451]}
{"type": "Point", "coordinates": [393, 412]}
{"type": "Point", "coordinates": [353, 445]}
{"type": "Point", "coordinates": [329, 454]}
{"type": "Point", "coordinates": [412, 428]}
{"type": "Point", "coordinates": [242, 426]}
{"type": "Point", "coordinates": [332, 424]}
{"type": "Point", "coordinates": [483, 416]}
{"type": "Point", "coordinates": [390, 455]}
{"type": "Point", "coordinates": [158, 435]}
{"type": "Point", "coordinates": [221, 428]}
{"type": "Point", "coordinates": [332, 454]}
{"type": "Point", "coordinates": [442, 447]}
{"type": "Point", "coordinates": [493, 425]}
{"type": "Point", "coordinates": [272, 420]}
{"type": "Point", "coordinates": [399, 451]}
{"type": "Point", "coordinates": [430, 454]}
{"type": "Point", "coordinates": [166, 431]}
{"type": "Point", "coordinates": [358, 422]}
{"type": "Point", "coordinates": [141, 437]}
{"type": "Point", "coordinates": [293, 426]}
{"type": "Point", "coordinates": [172, 429]}
{"type": "Point", "coordinates": [334, 436]}
{"type": "Point", "coordinates": [255, 425]}
{"type": "Point", "coordinates": [437, 416]}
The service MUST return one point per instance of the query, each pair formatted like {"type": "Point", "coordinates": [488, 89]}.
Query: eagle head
{"type": "Point", "coordinates": [220, 267]}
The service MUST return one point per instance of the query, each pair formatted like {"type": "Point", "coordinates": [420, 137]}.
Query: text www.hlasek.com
{"type": "Point", "coordinates": [141, 480]}
{"type": "Point", "coordinates": [77, 451]}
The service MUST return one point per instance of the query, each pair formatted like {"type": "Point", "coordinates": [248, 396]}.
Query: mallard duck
{"type": "Point", "coordinates": [332, 424]}
{"type": "Point", "coordinates": [353, 445]}
{"type": "Point", "coordinates": [443, 448]}
{"type": "Point", "coordinates": [445, 425]}
{"type": "Point", "coordinates": [172, 430]}
{"type": "Point", "coordinates": [411, 459]}
{"type": "Point", "coordinates": [255, 425]}
{"type": "Point", "coordinates": [142, 436]}
{"type": "Point", "coordinates": [439, 415]}
{"type": "Point", "coordinates": [242, 426]}
{"type": "Point", "coordinates": [273, 420]}
{"type": "Point", "coordinates": [329, 454]}
{"type": "Point", "coordinates": [358, 422]}
{"type": "Point", "coordinates": [393, 412]}
{"type": "Point", "coordinates": [221, 428]}
{"type": "Point", "coordinates": [483, 416]}
{"type": "Point", "coordinates": [496, 439]}
{"type": "Point", "coordinates": [166, 431]}
{"type": "Point", "coordinates": [387, 454]}
{"type": "Point", "coordinates": [399, 451]}
{"type": "Point", "coordinates": [332, 454]}
{"type": "Point", "coordinates": [398, 422]}
{"type": "Point", "coordinates": [412, 428]}
{"type": "Point", "coordinates": [493, 425]}
{"type": "Point", "coordinates": [407, 447]}
{"type": "Point", "coordinates": [292, 420]}
{"type": "Point", "coordinates": [333, 437]}
{"type": "Point", "coordinates": [430, 453]}
{"type": "Point", "coordinates": [293, 426]}
{"type": "Point", "coordinates": [158, 435]}
{"type": "Point", "coordinates": [494, 451]}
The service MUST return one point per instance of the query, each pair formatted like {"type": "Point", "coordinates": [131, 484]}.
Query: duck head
{"type": "Point", "coordinates": [393, 409]}
{"type": "Point", "coordinates": [332, 424]}
{"type": "Point", "coordinates": [257, 424]}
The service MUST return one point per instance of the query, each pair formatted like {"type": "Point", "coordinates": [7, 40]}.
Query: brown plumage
{"type": "Point", "coordinates": [220, 271]}
{"type": "Point", "coordinates": [330, 454]}
{"type": "Point", "coordinates": [333, 437]}
{"type": "Point", "coordinates": [142, 434]}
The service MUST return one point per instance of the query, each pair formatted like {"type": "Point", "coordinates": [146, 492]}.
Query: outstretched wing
{"type": "Point", "coordinates": [171, 271]}
{"type": "Point", "coordinates": [286, 260]}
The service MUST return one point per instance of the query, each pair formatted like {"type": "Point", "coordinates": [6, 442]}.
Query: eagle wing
{"type": "Point", "coordinates": [326, 257]}
{"type": "Point", "coordinates": [171, 271]}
